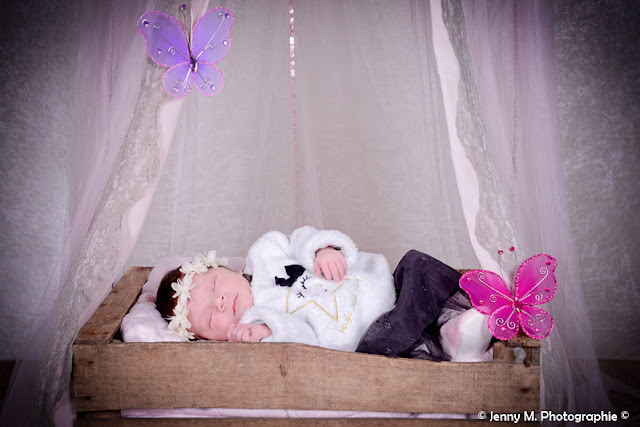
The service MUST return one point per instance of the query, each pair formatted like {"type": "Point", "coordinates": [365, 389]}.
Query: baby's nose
{"type": "Point", "coordinates": [221, 303]}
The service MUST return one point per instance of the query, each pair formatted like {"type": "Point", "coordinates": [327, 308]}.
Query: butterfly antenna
{"type": "Point", "coordinates": [515, 255]}
{"type": "Point", "coordinates": [186, 23]}
{"type": "Point", "coordinates": [500, 269]}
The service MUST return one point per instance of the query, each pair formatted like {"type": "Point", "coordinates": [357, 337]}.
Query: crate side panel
{"type": "Point", "coordinates": [292, 376]}
{"type": "Point", "coordinates": [104, 323]}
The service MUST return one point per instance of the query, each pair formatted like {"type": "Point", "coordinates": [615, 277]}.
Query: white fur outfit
{"type": "Point", "coordinates": [314, 310]}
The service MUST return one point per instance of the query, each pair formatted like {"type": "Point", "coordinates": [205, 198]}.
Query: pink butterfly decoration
{"type": "Point", "coordinates": [190, 60]}
{"type": "Point", "coordinates": [535, 284]}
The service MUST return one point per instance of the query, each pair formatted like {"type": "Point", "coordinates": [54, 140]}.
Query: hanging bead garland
{"type": "Point", "coordinates": [292, 72]}
{"type": "Point", "coordinates": [292, 45]}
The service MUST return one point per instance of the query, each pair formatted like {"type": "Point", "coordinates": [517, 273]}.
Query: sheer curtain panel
{"type": "Point", "coordinates": [508, 121]}
{"type": "Point", "coordinates": [120, 134]}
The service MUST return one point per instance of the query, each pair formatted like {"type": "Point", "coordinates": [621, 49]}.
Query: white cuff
{"type": "Point", "coordinates": [306, 241]}
{"type": "Point", "coordinates": [284, 327]}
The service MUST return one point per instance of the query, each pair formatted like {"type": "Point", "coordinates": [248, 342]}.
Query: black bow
{"type": "Point", "coordinates": [294, 271]}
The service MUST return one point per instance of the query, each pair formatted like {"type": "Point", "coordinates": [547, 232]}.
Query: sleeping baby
{"type": "Point", "coordinates": [315, 287]}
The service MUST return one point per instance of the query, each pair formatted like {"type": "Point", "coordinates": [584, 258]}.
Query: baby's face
{"type": "Point", "coordinates": [219, 299]}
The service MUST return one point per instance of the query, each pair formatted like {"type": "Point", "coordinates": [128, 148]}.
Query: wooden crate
{"type": "Point", "coordinates": [110, 375]}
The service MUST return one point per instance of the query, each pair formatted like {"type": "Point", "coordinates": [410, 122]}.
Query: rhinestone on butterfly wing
{"type": "Point", "coordinates": [535, 284]}
{"type": "Point", "coordinates": [190, 59]}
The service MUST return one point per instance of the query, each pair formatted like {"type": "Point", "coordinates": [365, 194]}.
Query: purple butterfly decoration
{"type": "Point", "coordinates": [190, 61]}
{"type": "Point", "coordinates": [535, 284]}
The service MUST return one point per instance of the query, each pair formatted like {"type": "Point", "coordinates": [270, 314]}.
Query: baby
{"type": "Point", "coordinates": [221, 296]}
{"type": "Point", "coordinates": [313, 287]}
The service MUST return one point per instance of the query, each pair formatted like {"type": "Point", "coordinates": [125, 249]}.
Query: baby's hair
{"type": "Point", "coordinates": [165, 302]}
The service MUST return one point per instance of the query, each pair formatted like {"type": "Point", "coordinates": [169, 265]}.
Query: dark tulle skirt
{"type": "Point", "coordinates": [427, 295]}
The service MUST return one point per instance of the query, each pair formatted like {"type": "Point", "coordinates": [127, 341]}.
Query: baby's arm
{"type": "Point", "coordinates": [283, 327]}
{"type": "Point", "coordinates": [248, 332]}
{"type": "Point", "coordinates": [307, 244]}
{"type": "Point", "coordinates": [331, 263]}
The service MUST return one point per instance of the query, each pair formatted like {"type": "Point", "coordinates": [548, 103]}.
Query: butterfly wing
{"type": "Point", "coordinates": [535, 281]}
{"type": "Point", "coordinates": [212, 35]}
{"type": "Point", "coordinates": [178, 80]}
{"type": "Point", "coordinates": [487, 290]}
{"type": "Point", "coordinates": [504, 322]}
{"type": "Point", "coordinates": [166, 41]}
{"type": "Point", "coordinates": [535, 322]}
{"type": "Point", "coordinates": [208, 79]}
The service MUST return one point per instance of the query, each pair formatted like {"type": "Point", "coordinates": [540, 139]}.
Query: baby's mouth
{"type": "Point", "coordinates": [235, 303]}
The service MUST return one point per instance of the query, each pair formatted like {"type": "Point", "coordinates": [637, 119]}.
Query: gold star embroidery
{"type": "Point", "coordinates": [325, 301]}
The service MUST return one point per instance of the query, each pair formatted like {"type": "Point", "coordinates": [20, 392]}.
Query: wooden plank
{"type": "Point", "coordinates": [503, 352]}
{"type": "Point", "coordinates": [291, 376]}
{"type": "Point", "coordinates": [286, 422]}
{"type": "Point", "coordinates": [100, 414]}
{"type": "Point", "coordinates": [104, 323]}
{"type": "Point", "coordinates": [521, 340]}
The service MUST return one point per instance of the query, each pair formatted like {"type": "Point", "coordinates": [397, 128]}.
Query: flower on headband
{"type": "Point", "coordinates": [182, 289]}
{"type": "Point", "coordinates": [210, 260]}
{"type": "Point", "coordinates": [193, 267]}
{"type": "Point", "coordinates": [179, 322]}
{"type": "Point", "coordinates": [202, 262]}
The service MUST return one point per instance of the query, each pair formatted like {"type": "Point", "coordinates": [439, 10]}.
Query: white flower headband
{"type": "Point", "coordinates": [182, 287]}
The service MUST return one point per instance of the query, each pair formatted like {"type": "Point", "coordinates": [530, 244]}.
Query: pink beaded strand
{"type": "Point", "coordinates": [292, 70]}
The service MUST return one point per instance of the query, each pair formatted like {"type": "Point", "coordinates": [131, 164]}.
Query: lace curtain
{"type": "Point", "coordinates": [508, 122]}
{"type": "Point", "coordinates": [397, 138]}
{"type": "Point", "coordinates": [120, 122]}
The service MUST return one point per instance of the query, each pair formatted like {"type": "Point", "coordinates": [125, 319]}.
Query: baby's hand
{"type": "Point", "coordinates": [248, 332]}
{"type": "Point", "coordinates": [331, 263]}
